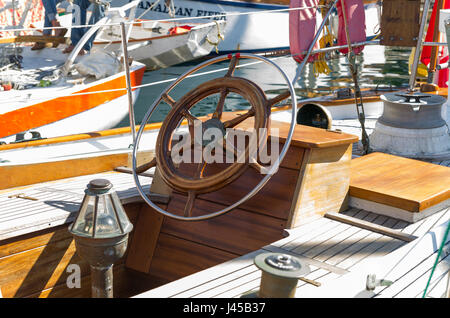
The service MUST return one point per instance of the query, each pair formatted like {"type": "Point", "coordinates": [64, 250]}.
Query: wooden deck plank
{"type": "Point", "coordinates": [380, 246]}
{"type": "Point", "coordinates": [354, 245]}
{"type": "Point", "coordinates": [241, 291]}
{"type": "Point", "coordinates": [57, 202]}
{"type": "Point", "coordinates": [321, 276]}
{"type": "Point", "coordinates": [351, 256]}
{"type": "Point", "coordinates": [325, 234]}
{"type": "Point", "coordinates": [438, 287]}
{"type": "Point", "coordinates": [364, 224]}
{"type": "Point", "coordinates": [300, 235]}
{"type": "Point", "coordinates": [234, 287]}
{"type": "Point", "coordinates": [390, 267]}
{"type": "Point", "coordinates": [326, 247]}
{"type": "Point", "coordinates": [211, 274]}
{"type": "Point", "coordinates": [432, 221]}
{"type": "Point", "coordinates": [350, 244]}
{"type": "Point", "coordinates": [416, 288]}
{"type": "Point", "coordinates": [199, 291]}
{"type": "Point", "coordinates": [228, 283]}
{"type": "Point", "coordinates": [302, 230]}
{"type": "Point", "coordinates": [416, 275]}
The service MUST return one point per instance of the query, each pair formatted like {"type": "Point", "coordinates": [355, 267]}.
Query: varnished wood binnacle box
{"type": "Point", "coordinates": [312, 179]}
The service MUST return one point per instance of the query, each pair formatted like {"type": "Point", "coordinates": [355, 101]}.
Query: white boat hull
{"type": "Point", "coordinates": [65, 108]}
{"type": "Point", "coordinates": [160, 51]}
{"type": "Point", "coordinates": [246, 32]}
{"type": "Point", "coordinates": [251, 27]}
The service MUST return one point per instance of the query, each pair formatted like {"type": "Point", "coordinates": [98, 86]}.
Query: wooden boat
{"type": "Point", "coordinates": [338, 214]}
{"type": "Point", "coordinates": [45, 95]}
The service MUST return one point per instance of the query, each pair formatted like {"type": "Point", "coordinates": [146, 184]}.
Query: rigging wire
{"type": "Point", "coordinates": [444, 241]}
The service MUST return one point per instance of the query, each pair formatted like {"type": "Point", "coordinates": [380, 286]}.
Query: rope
{"type": "Point", "coordinates": [444, 240]}
{"type": "Point", "coordinates": [320, 64]}
{"type": "Point", "coordinates": [219, 37]}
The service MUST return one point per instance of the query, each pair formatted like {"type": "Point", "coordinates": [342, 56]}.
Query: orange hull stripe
{"type": "Point", "coordinates": [50, 111]}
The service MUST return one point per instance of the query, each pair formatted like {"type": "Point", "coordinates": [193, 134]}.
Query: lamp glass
{"type": "Point", "coordinates": [101, 216]}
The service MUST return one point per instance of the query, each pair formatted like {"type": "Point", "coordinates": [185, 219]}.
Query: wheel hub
{"type": "Point", "coordinates": [213, 123]}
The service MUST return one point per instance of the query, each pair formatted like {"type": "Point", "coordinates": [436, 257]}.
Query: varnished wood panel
{"type": "Point", "coordinates": [408, 184]}
{"type": "Point", "coordinates": [237, 231]}
{"type": "Point", "coordinates": [120, 287]}
{"type": "Point", "coordinates": [400, 21]}
{"type": "Point", "coordinates": [26, 174]}
{"type": "Point", "coordinates": [19, 175]}
{"type": "Point", "coordinates": [143, 241]}
{"type": "Point", "coordinates": [273, 199]}
{"type": "Point", "coordinates": [175, 258]}
{"type": "Point", "coordinates": [292, 159]}
{"type": "Point", "coordinates": [41, 268]}
{"type": "Point", "coordinates": [304, 136]}
{"type": "Point", "coordinates": [324, 183]}
{"type": "Point", "coordinates": [30, 241]}
{"type": "Point", "coordinates": [32, 265]}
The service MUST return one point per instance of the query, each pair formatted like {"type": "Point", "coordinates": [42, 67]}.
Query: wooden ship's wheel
{"type": "Point", "coordinates": [196, 182]}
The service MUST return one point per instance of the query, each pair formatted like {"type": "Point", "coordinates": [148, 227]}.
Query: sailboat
{"type": "Point", "coordinates": [303, 214]}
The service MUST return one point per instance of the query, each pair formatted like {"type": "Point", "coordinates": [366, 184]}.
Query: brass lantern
{"type": "Point", "coordinates": [101, 231]}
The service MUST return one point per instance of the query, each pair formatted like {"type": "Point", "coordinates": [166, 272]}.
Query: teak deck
{"type": "Point", "coordinates": [332, 250]}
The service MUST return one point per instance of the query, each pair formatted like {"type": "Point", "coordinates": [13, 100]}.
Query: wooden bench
{"type": "Point", "coordinates": [403, 188]}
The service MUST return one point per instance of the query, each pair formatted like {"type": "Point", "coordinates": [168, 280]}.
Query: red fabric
{"type": "Point", "coordinates": [302, 28]}
{"type": "Point", "coordinates": [179, 29]}
{"type": "Point", "coordinates": [426, 51]}
{"type": "Point", "coordinates": [356, 16]}
{"type": "Point", "coordinates": [425, 57]}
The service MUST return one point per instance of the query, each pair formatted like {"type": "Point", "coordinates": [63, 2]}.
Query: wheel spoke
{"type": "Point", "coordinates": [187, 114]}
{"type": "Point", "coordinates": [232, 66]}
{"type": "Point", "coordinates": [236, 121]}
{"type": "Point", "coordinates": [146, 166]}
{"type": "Point", "coordinates": [219, 108]}
{"type": "Point", "coordinates": [229, 149]}
{"type": "Point", "coordinates": [256, 166]}
{"type": "Point", "coordinates": [169, 100]}
{"type": "Point", "coordinates": [189, 204]}
{"type": "Point", "coordinates": [278, 98]}
{"type": "Point", "coordinates": [191, 122]}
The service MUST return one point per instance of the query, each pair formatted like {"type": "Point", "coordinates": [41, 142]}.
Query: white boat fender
{"type": "Point", "coordinates": [98, 63]}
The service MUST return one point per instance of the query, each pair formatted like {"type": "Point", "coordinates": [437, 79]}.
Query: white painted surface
{"type": "Point", "coordinates": [395, 212]}
{"type": "Point", "coordinates": [413, 143]}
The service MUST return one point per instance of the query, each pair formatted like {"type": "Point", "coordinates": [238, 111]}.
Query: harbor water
{"type": "Point", "coordinates": [378, 66]}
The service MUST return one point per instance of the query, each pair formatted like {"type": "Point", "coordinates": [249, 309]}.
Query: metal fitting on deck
{"type": "Point", "coordinates": [280, 274]}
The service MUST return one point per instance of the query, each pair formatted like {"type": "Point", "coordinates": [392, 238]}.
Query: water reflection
{"type": "Point", "coordinates": [377, 66]}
